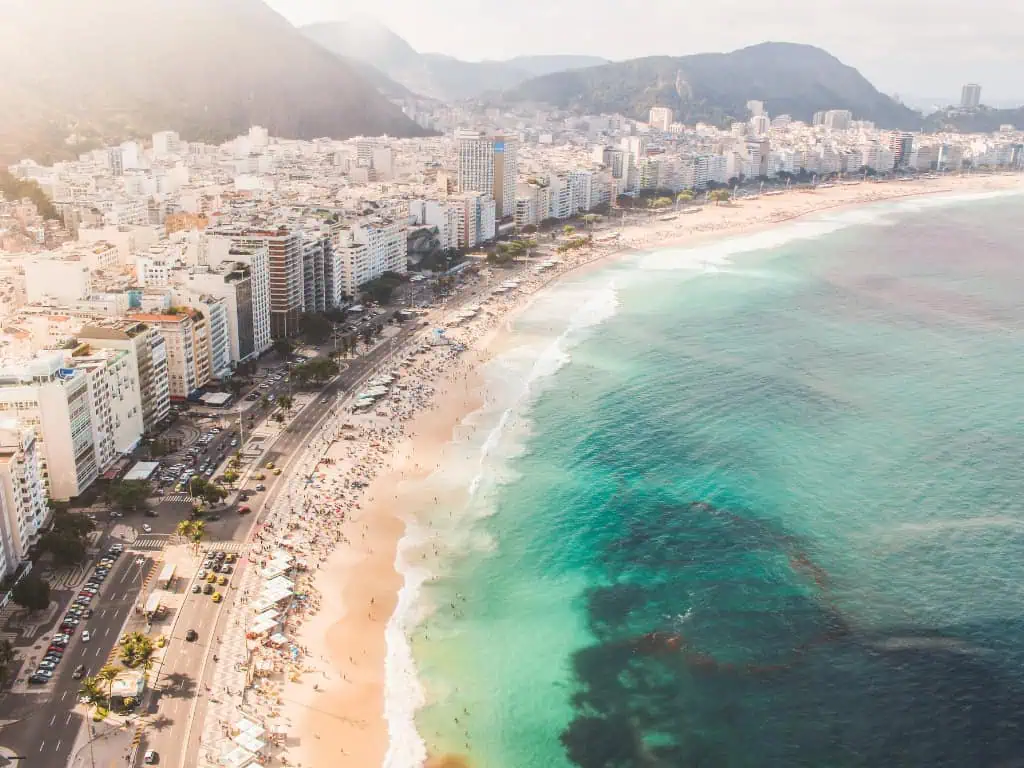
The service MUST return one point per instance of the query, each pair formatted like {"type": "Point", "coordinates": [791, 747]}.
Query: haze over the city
{"type": "Point", "coordinates": [911, 47]}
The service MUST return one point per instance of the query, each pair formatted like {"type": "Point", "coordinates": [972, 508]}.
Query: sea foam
{"type": "Point", "coordinates": [403, 691]}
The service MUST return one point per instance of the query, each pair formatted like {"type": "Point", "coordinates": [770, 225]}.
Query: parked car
{"type": "Point", "coordinates": [86, 636]}
{"type": "Point", "coordinates": [79, 672]}
{"type": "Point", "coordinates": [196, 589]}
{"type": "Point", "coordinates": [208, 589]}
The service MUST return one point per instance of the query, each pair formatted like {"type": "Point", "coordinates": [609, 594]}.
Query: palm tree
{"type": "Point", "coordinates": [107, 675]}
{"type": "Point", "coordinates": [193, 530]}
{"type": "Point", "coordinates": [286, 402]}
{"type": "Point", "coordinates": [569, 230]}
{"type": "Point", "coordinates": [91, 689]}
{"type": "Point", "coordinates": [265, 402]}
{"type": "Point", "coordinates": [236, 460]}
{"type": "Point", "coordinates": [136, 649]}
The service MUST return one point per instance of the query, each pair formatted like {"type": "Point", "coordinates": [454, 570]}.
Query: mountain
{"type": "Point", "coordinates": [545, 65]}
{"type": "Point", "coordinates": [982, 120]}
{"type": "Point", "coordinates": [791, 79]}
{"type": "Point", "coordinates": [384, 84]}
{"type": "Point", "coordinates": [207, 68]}
{"type": "Point", "coordinates": [432, 74]}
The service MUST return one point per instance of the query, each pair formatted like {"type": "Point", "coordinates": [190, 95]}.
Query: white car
{"type": "Point", "coordinates": [86, 636]}
{"type": "Point", "coordinates": [146, 528]}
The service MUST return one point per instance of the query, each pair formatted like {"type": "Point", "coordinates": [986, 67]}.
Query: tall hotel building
{"type": "Point", "coordinates": [489, 164]}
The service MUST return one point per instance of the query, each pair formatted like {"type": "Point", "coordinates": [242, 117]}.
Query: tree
{"type": "Point", "coordinates": [230, 477]}
{"type": "Point", "coordinates": [283, 347]}
{"type": "Point", "coordinates": [285, 402]}
{"type": "Point", "coordinates": [136, 649]}
{"type": "Point", "coordinates": [91, 689]}
{"type": "Point", "coordinates": [236, 386]}
{"type": "Point", "coordinates": [278, 417]}
{"type": "Point", "coordinates": [720, 196]}
{"type": "Point", "coordinates": [7, 657]}
{"type": "Point", "coordinates": [31, 592]}
{"type": "Point", "coordinates": [315, 327]}
{"type": "Point", "coordinates": [106, 676]}
{"type": "Point", "coordinates": [568, 230]}
{"type": "Point", "coordinates": [13, 188]}
{"type": "Point", "coordinates": [236, 460]}
{"type": "Point", "coordinates": [684, 197]}
{"type": "Point", "coordinates": [129, 495]}
{"type": "Point", "coordinates": [193, 530]}
{"type": "Point", "coordinates": [66, 539]}
{"type": "Point", "coordinates": [264, 401]}
{"type": "Point", "coordinates": [367, 334]}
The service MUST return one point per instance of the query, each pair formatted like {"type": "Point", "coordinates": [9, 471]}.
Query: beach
{"type": "Point", "coordinates": [350, 697]}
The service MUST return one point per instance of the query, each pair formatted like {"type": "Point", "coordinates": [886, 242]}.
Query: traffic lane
{"type": "Point", "coordinates": [50, 731]}
{"type": "Point", "coordinates": [180, 682]}
{"type": "Point", "coordinates": [221, 622]}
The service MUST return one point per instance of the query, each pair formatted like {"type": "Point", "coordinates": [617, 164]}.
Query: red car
{"type": "Point", "coordinates": [245, 509]}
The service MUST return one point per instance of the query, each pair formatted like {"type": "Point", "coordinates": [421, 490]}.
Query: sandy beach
{"type": "Point", "coordinates": [333, 699]}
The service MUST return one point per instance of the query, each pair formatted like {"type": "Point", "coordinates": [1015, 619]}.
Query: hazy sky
{"type": "Point", "coordinates": [919, 47]}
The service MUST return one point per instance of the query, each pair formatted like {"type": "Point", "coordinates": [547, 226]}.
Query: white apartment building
{"type": "Point", "coordinates": [188, 363]}
{"type": "Point", "coordinates": [661, 118]}
{"type": "Point", "coordinates": [489, 164]}
{"type": "Point", "coordinates": [115, 402]}
{"type": "Point", "coordinates": [152, 271]}
{"type": "Point", "coordinates": [23, 510]}
{"type": "Point", "coordinates": [240, 273]}
{"type": "Point", "coordinates": [475, 219]}
{"type": "Point", "coordinates": [372, 247]}
{"type": "Point", "coordinates": [54, 400]}
{"type": "Point", "coordinates": [49, 280]}
{"type": "Point", "coordinates": [147, 353]}
{"type": "Point", "coordinates": [314, 297]}
{"type": "Point", "coordinates": [215, 311]}
{"type": "Point", "coordinates": [166, 143]}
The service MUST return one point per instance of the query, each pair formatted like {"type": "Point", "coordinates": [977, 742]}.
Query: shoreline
{"type": "Point", "coordinates": [344, 707]}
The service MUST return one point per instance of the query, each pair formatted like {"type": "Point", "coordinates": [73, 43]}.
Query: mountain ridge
{"type": "Point", "coordinates": [791, 78]}
{"type": "Point", "coordinates": [209, 69]}
{"type": "Point", "coordinates": [435, 75]}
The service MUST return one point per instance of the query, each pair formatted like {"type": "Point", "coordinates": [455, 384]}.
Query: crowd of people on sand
{"type": "Point", "coordinates": [350, 450]}
{"type": "Point", "coordinates": [328, 489]}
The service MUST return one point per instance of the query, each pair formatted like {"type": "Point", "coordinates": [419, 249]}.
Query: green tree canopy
{"type": "Point", "coordinates": [316, 327]}
{"type": "Point", "coordinates": [66, 540]}
{"type": "Point", "coordinates": [129, 495]}
{"type": "Point", "coordinates": [283, 347]}
{"type": "Point", "coordinates": [32, 592]}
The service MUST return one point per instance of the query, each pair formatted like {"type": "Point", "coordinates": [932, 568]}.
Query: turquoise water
{"type": "Point", "coordinates": [758, 508]}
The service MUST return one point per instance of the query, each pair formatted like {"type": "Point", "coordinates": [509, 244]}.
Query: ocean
{"type": "Point", "coordinates": [756, 503]}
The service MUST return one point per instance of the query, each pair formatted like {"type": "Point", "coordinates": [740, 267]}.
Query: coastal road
{"type": "Point", "coordinates": [175, 731]}
{"type": "Point", "coordinates": [47, 723]}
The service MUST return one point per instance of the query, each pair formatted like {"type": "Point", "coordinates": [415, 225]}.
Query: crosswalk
{"type": "Point", "coordinates": [151, 541]}
{"type": "Point", "coordinates": [238, 547]}
{"type": "Point", "coordinates": [184, 498]}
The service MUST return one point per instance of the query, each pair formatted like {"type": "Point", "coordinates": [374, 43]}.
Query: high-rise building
{"type": "Point", "coordinates": [286, 276]}
{"type": "Point", "coordinates": [489, 164]}
{"type": "Point", "coordinates": [902, 145]}
{"type": "Point", "coordinates": [760, 125]}
{"type": "Point", "coordinates": [970, 96]}
{"type": "Point", "coordinates": [370, 248]}
{"type": "Point", "coordinates": [54, 400]}
{"type": "Point", "coordinates": [148, 351]}
{"type": "Point", "coordinates": [660, 118]}
{"type": "Point", "coordinates": [838, 119]}
{"type": "Point", "coordinates": [188, 350]}
{"type": "Point", "coordinates": [23, 509]}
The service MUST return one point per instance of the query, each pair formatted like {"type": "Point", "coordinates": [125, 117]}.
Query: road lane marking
{"type": "Point", "coordinates": [103, 612]}
{"type": "Point", "coordinates": [52, 719]}
{"type": "Point", "coordinates": [68, 721]}
{"type": "Point", "coordinates": [63, 695]}
{"type": "Point", "coordinates": [57, 748]}
{"type": "Point", "coordinates": [106, 631]}
{"type": "Point", "coordinates": [41, 745]}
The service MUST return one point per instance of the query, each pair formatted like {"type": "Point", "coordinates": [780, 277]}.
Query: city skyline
{"type": "Point", "coordinates": [868, 36]}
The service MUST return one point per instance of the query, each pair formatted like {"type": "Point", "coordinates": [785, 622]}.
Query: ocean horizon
{"type": "Point", "coordinates": [752, 503]}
